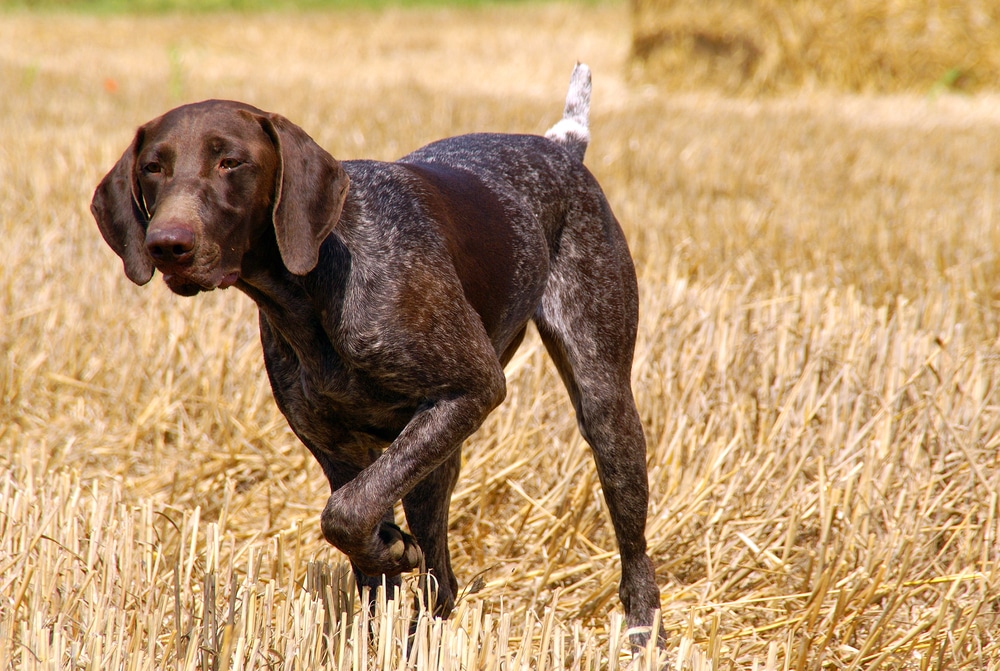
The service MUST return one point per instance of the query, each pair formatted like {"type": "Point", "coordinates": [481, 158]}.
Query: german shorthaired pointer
{"type": "Point", "coordinates": [391, 295]}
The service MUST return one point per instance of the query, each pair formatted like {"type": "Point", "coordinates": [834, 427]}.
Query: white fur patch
{"type": "Point", "coordinates": [568, 130]}
{"type": "Point", "coordinates": [578, 96]}
{"type": "Point", "coordinates": [573, 130]}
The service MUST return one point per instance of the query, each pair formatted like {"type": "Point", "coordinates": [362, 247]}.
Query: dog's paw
{"type": "Point", "coordinates": [402, 547]}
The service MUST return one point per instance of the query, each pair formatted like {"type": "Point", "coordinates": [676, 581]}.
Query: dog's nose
{"type": "Point", "coordinates": [173, 244]}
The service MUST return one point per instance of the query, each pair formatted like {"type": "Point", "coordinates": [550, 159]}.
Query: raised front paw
{"type": "Point", "coordinates": [384, 550]}
{"type": "Point", "coordinates": [402, 548]}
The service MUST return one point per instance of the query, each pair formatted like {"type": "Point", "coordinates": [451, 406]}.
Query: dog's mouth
{"type": "Point", "coordinates": [186, 286]}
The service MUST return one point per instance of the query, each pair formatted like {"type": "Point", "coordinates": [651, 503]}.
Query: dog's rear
{"type": "Point", "coordinates": [573, 130]}
{"type": "Point", "coordinates": [587, 319]}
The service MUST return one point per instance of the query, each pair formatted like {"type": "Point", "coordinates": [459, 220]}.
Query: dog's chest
{"type": "Point", "coordinates": [328, 402]}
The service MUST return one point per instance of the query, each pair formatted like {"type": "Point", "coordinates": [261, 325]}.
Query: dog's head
{"type": "Point", "coordinates": [201, 184]}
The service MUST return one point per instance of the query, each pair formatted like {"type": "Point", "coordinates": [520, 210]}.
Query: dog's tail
{"type": "Point", "coordinates": [573, 130]}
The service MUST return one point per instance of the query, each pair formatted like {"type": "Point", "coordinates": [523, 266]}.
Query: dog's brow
{"type": "Point", "coordinates": [160, 151]}
{"type": "Point", "coordinates": [216, 144]}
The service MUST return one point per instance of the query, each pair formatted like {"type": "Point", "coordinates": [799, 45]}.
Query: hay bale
{"type": "Point", "coordinates": [761, 46]}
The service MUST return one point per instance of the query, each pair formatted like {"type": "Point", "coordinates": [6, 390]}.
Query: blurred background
{"type": "Point", "coordinates": [768, 46]}
{"type": "Point", "coordinates": [744, 46]}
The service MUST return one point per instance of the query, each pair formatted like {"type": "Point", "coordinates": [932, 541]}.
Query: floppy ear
{"type": "Point", "coordinates": [311, 187]}
{"type": "Point", "coordinates": [120, 213]}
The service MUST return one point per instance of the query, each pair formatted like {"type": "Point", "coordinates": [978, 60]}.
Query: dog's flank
{"type": "Point", "coordinates": [391, 295]}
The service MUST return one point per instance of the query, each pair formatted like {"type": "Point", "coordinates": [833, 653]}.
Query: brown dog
{"type": "Point", "coordinates": [391, 295]}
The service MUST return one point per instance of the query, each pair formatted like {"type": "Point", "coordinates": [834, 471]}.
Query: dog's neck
{"type": "Point", "coordinates": [290, 302]}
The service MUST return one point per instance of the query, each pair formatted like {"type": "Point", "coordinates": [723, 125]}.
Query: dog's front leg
{"type": "Point", "coordinates": [353, 517]}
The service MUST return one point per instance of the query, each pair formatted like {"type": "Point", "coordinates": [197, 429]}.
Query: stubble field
{"type": "Point", "coordinates": [818, 368]}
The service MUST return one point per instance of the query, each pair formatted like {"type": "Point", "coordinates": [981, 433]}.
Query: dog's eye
{"type": "Point", "coordinates": [151, 168]}
{"type": "Point", "coordinates": [230, 163]}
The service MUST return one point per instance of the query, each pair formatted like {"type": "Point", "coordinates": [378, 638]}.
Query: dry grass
{"type": "Point", "coordinates": [818, 369]}
{"type": "Point", "coordinates": [761, 46]}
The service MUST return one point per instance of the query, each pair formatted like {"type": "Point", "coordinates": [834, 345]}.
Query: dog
{"type": "Point", "coordinates": [390, 297]}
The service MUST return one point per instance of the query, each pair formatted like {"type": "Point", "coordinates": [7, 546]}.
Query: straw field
{"type": "Point", "coordinates": [767, 46]}
{"type": "Point", "coordinates": [818, 368]}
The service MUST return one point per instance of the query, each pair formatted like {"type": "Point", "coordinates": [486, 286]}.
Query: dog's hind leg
{"type": "Point", "coordinates": [588, 320]}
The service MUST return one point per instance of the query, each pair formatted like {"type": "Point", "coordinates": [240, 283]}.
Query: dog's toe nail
{"type": "Point", "coordinates": [413, 556]}
{"type": "Point", "coordinates": [397, 550]}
